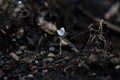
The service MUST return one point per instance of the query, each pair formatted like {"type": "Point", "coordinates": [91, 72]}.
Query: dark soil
{"type": "Point", "coordinates": [30, 44]}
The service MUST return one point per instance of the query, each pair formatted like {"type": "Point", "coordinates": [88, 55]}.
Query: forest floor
{"type": "Point", "coordinates": [59, 40]}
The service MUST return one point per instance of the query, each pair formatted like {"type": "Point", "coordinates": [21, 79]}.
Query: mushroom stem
{"type": "Point", "coordinates": [60, 45]}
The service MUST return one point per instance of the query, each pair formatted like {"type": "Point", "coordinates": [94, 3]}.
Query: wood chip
{"type": "Point", "coordinates": [14, 56]}
{"type": "Point", "coordinates": [33, 68]}
{"type": "Point", "coordinates": [64, 42]}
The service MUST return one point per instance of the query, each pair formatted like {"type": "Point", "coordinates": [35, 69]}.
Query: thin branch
{"type": "Point", "coordinates": [109, 25]}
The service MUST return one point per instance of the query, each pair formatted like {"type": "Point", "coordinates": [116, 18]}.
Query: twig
{"type": "Point", "coordinates": [109, 25]}
{"type": "Point", "coordinates": [71, 45]}
{"type": "Point", "coordinates": [3, 31]}
{"type": "Point", "coordinates": [39, 43]}
{"type": "Point", "coordinates": [78, 34]}
{"type": "Point", "coordinates": [61, 60]}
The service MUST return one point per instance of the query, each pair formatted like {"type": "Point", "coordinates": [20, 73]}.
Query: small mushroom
{"type": "Point", "coordinates": [61, 33]}
{"type": "Point", "coordinates": [19, 2]}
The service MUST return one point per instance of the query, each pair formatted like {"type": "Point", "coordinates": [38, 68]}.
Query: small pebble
{"type": "Point", "coordinates": [42, 52]}
{"type": "Point", "coordinates": [115, 60]}
{"type": "Point", "coordinates": [93, 74]}
{"type": "Point", "coordinates": [13, 40]}
{"type": "Point", "coordinates": [18, 52]}
{"type": "Point", "coordinates": [27, 59]}
{"type": "Point", "coordinates": [5, 78]}
{"type": "Point", "coordinates": [44, 66]}
{"type": "Point", "coordinates": [51, 55]}
{"type": "Point", "coordinates": [7, 27]}
{"type": "Point", "coordinates": [45, 71]}
{"type": "Point", "coordinates": [51, 49]}
{"type": "Point", "coordinates": [79, 65]}
{"type": "Point", "coordinates": [36, 61]}
{"type": "Point", "coordinates": [58, 56]}
{"type": "Point", "coordinates": [56, 65]}
{"type": "Point", "coordinates": [48, 60]}
{"type": "Point", "coordinates": [30, 75]}
{"type": "Point", "coordinates": [22, 78]}
{"type": "Point", "coordinates": [20, 33]}
{"type": "Point", "coordinates": [17, 71]}
{"type": "Point", "coordinates": [117, 67]}
{"type": "Point", "coordinates": [22, 47]}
